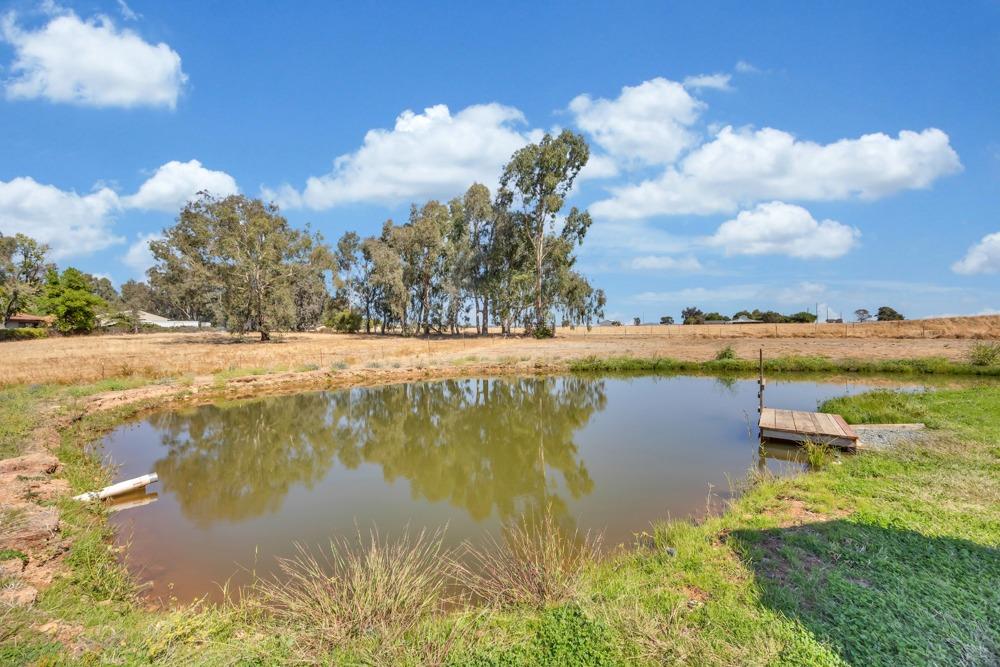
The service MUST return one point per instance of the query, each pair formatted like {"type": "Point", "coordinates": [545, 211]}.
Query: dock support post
{"type": "Point", "coordinates": [760, 383]}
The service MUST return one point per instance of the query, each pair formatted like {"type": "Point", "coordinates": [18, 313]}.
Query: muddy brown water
{"type": "Point", "coordinates": [242, 482]}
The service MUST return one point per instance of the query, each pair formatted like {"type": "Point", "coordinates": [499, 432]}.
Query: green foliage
{"type": "Point", "coordinates": [725, 353]}
{"type": "Point", "coordinates": [692, 315]}
{"type": "Point", "coordinates": [22, 271]}
{"type": "Point", "coordinates": [20, 412]}
{"type": "Point", "coordinates": [542, 331]}
{"type": "Point", "coordinates": [887, 314]}
{"type": "Point", "coordinates": [12, 554]}
{"type": "Point", "coordinates": [345, 321]}
{"type": "Point", "coordinates": [818, 455]}
{"type": "Point", "coordinates": [566, 637]}
{"type": "Point", "coordinates": [984, 354]}
{"type": "Point", "coordinates": [238, 261]}
{"type": "Point", "coordinates": [790, 364]}
{"type": "Point", "coordinates": [68, 297]}
{"type": "Point", "coordinates": [24, 333]}
{"type": "Point", "coordinates": [716, 317]}
{"type": "Point", "coordinates": [666, 319]}
{"type": "Point", "coordinates": [878, 407]}
{"type": "Point", "coordinates": [533, 188]}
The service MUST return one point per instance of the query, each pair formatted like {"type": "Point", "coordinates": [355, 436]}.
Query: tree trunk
{"type": "Point", "coordinates": [264, 335]}
{"type": "Point", "coordinates": [486, 315]}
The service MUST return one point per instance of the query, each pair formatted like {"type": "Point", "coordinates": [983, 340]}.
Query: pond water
{"type": "Point", "coordinates": [241, 482]}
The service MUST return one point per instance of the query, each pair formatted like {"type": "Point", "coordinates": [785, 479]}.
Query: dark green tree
{"type": "Point", "coordinates": [69, 298]}
{"type": "Point", "coordinates": [887, 314]}
{"type": "Point", "coordinates": [692, 315]}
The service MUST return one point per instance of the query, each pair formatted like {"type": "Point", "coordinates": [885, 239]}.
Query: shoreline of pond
{"type": "Point", "coordinates": [76, 416]}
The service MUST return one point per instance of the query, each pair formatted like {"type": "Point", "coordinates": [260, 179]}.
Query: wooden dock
{"type": "Point", "coordinates": [796, 426]}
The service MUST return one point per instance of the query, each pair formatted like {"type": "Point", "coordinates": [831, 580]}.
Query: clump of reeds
{"type": "Point", "coordinates": [818, 455]}
{"type": "Point", "coordinates": [369, 588]}
{"type": "Point", "coordinates": [536, 562]}
{"type": "Point", "coordinates": [985, 354]}
{"type": "Point", "coordinates": [725, 353]}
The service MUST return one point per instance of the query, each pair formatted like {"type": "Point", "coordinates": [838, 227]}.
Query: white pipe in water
{"type": "Point", "coordinates": [119, 488]}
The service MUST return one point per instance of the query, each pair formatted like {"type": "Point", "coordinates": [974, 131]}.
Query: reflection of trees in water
{"type": "Point", "coordinates": [475, 443]}
{"type": "Point", "coordinates": [238, 461]}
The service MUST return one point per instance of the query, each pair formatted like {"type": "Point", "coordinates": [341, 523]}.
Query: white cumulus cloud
{"type": "Point", "coordinates": [138, 256]}
{"type": "Point", "coordinates": [430, 154]}
{"type": "Point", "coordinates": [646, 124]}
{"type": "Point", "coordinates": [740, 167]}
{"type": "Point", "coordinates": [90, 62]}
{"type": "Point", "coordinates": [72, 224]}
{"type": "Point", "coordinates": [718, 81]}
{"type": "Point", "coordinates": [686, 264]}
{"type": "Point", "coordinates": [983, 257]}
{"type": "Point", "coordinates": [175, 183]}
{"type": "Point", "coordinates": [777, 228]}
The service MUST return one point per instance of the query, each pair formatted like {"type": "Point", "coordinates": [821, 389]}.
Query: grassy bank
{"type": "Point", "coordinates": [885, 558]}
{"type": "Point", "coordinates": [790, 364]}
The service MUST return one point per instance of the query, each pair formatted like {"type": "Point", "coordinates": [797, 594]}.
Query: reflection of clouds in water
{"type": "Point", "coordinates": [476, 444]}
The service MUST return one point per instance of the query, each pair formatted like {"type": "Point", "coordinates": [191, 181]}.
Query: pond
{"type": "Point", "coordinates": [241, 482]}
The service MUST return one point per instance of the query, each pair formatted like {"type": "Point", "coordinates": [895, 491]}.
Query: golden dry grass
{"type": "Point", "coordinates": [87, 359]}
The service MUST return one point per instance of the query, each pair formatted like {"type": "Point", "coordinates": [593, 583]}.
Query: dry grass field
{"type": "Point", "coordinates": [87, 359]}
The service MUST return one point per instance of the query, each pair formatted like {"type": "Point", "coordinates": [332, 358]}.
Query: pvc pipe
{"type": "Point", "coordinates": [119, 488]}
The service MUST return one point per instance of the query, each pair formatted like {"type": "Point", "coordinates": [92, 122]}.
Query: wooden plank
{"type": "Point", "coordinates": [848, 432]}
{"type": "Point", "coordinates": [807, 423]}
{"type": "Point", "coordinates": [827, 424]}
{"type": "Point", "coordinates": [784, 420]}
{"type": "Point", "coordinates": [766, 418]}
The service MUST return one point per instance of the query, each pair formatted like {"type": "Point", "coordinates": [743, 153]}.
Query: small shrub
{"type": "Point", "coordinates": [985, 354]}
{"type": "Point", "coordinates": [345, 321]}
{"type": "Point", "coordinates": [25, 333]}
{"type": "Point", "coordinates": [338, 365]}
{"type": "Point", "coordinates": [725, 353]}
{"type": "Point", "coordinates": [543, 331]}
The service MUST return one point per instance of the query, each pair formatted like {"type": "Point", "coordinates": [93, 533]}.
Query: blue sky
{"type": "Point", "coordinates": [773, 155]}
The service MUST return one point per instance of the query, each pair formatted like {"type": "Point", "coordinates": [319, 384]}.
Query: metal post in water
{"type": "Point", "coordinates": [760, 383]}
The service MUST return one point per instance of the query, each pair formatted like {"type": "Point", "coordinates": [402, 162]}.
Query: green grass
{"type": "Point", "coordinates": [887, 558]}
{"type": "Point", "coordinates": [725, 363]}
{"type": "Point", "coordinates": [20, 413]}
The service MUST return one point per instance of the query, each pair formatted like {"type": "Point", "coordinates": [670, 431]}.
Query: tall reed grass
{"type": "Point", "coordinates": [535, 562]}
{"type": "Point", "coordinates": [364, 587]}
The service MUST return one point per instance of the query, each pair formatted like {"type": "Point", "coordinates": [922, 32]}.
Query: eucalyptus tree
{"type": "Point", "coordinates": [384, 288]}
{"type": "Point", "coordinates": [237, 257]}
{"type": "Point", "coordinates": [533, 189]}
{"type": "Point", "coordinates": [22, 273]}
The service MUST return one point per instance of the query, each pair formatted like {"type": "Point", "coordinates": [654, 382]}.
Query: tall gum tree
{"type": "Point", "coordinates": [533, 189]}
{"type": "Point", "coordinates": [243, 260]}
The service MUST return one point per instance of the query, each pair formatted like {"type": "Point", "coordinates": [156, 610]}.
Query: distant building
{"type": "Point", "coordinates": [157, 321]}
{"type": "Point", "coordinates": [25, 320]}
{"type": "Point", "coordinates": [745, 320]}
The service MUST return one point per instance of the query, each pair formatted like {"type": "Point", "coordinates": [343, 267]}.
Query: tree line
{"type": "Point", "coordinates": [694, 315]}
{"type": "Point", "coordinates": [503, 259]}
